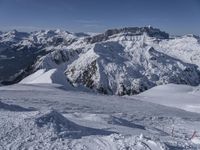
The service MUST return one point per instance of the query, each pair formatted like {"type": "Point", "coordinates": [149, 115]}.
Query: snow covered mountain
{"type": "Point", "coordinates": [38, 113]}
{"type": "Point", "coordinates": [19, 51]}
{"type": "Point", "coordinates": [119, 61]}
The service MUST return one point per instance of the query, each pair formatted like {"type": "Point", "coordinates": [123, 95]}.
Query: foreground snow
{"type": "Point", "coordinates": [47, 117]}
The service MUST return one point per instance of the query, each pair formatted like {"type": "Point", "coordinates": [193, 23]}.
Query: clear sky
{"type": "Point", "coordinates": [174, 16]}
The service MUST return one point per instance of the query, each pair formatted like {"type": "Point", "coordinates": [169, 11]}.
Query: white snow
{"type": "Point", "coordinates": [196, 140]}
{"type": "Point", "coordinates": [39, 76]}
{"type": "Point", "coordinates": [52, 76]}
{"type": "Point", "coordinates": [180, 96]}
{"type": "Point", "coordinates": [126, 62]}
{"type": "Point", "coordinates": [44, 116]}
{"type": "Point", "coordinates": [44, 111]}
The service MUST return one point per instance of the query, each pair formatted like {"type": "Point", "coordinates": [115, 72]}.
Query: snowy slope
{"type": "Point", "coordinates": [47, 77]}
{"type": "Point", "coordinates": [185, 48]}
{"type": "Point", "coordinates": [43, 116]}
{"type": "Point", "coordinates": [180, 96]}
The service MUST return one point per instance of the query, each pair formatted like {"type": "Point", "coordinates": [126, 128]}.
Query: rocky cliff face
{"type": "Point", "coordinates": [130, 31]}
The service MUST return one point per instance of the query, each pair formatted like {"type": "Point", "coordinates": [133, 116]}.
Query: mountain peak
{"type": "Point", "coordinates": [120, 61]}
{"type": "Point", "coordinates": [133, 31]}
{"type": "Point", "coordinates": [14, 36]}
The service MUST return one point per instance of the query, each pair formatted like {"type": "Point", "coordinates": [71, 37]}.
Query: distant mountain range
{"type": "Point", "coordinates": [119, 61]}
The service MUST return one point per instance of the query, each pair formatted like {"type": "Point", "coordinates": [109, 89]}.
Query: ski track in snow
{"type": "Point", "coordinates": [44, 116]}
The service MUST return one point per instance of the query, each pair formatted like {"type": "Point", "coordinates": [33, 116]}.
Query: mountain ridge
{"type": "Point", "coordinates": [120, 61]}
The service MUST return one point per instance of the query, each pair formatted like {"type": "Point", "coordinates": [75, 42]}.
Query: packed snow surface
{"type": "Point", "coordinates": [45, 116]}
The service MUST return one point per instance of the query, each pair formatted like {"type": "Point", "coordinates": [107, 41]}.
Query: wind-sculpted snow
{"type": "Point", "coordinates": [66, 128]}
{"type": "Point", "coordinates": [123, 122]}
{"type": "Point", "coordinates": [76, 120]}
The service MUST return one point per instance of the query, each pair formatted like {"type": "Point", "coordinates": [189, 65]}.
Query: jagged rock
{"type": "Point", "coordinates": [133, 31]}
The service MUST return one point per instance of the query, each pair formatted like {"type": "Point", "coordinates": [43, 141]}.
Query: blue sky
{"type": "Point", "coordinates": [174, 16]}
